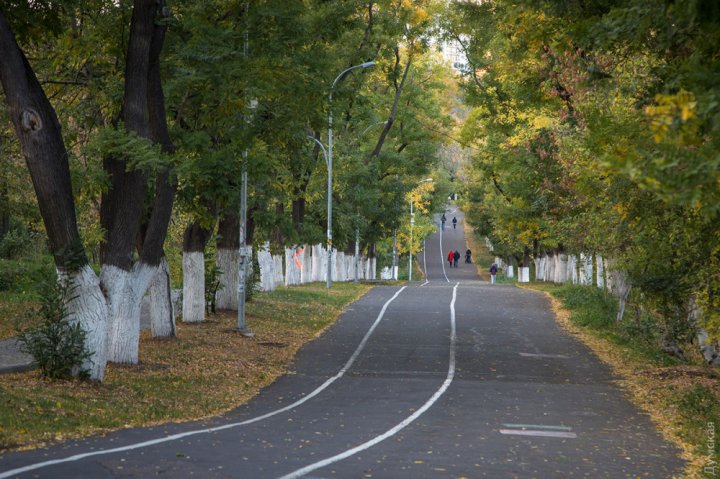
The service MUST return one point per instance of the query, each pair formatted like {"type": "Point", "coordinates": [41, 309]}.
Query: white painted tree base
{"type": "Point", "coordinates": [89, 308]}
{"type": "Point", "coordinates": [193, 287]}
{"type": "Point", "coordinates": [124, 292]}
{"type": "Point", "coordinates": [162, 313]}
{"type": "Point", "coordinates": [228, 260]}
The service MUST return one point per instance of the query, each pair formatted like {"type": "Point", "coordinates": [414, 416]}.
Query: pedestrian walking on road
{"type": "Point", "coordinates": [468, 255]}
{"type": "Point", "coordinates": [493, 272]}
{"type": "Point", "coordinates": [443, 220]}
{"type": "Point", "coordinates": [456, 257]}
{"type": "Point", "coordinates": [450, 257]}
{"type": "Point", "coordinates": [454, 222]}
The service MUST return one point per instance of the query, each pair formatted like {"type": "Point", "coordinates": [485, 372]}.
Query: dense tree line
{"type": "Point", "coordinates": [595, 130]}
{"type": "Point", "coordinates": [132, 116]}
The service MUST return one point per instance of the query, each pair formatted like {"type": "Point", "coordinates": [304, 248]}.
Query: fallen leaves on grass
{"type": "Point", "coordinates": [203, 372]}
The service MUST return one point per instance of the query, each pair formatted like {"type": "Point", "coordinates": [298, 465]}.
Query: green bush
{"type": "Point", "coordinates": [592, 307]}
{"type": "Point", "coordinates": [57, 343]}
{"type": "Point", "coordinates": [25, 276]}
{"type": "Point", "coordinates": [19, 242]}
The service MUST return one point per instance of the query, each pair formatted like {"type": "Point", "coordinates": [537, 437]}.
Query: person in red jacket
{"type": "Point", "coordinates": [451, 257]}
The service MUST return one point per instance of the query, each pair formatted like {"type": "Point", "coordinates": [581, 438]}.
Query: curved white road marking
{"type": "Point", "coordinates": [181, 435]}
{"type": "Point", "coordinates": [391, 432]}
{"type": "Point", "coordinates": [442, 257]}
{"type": "Point", "coordinates": [427, 279]}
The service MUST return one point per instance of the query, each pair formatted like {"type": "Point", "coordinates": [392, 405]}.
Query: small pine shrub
{"type": "Point", "coordinates": [56, 343]}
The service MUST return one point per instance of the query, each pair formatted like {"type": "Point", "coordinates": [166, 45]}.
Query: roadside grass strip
{"type": "Point", "coordinates": [175, 437]}
{"type": "Point", "coordinates": [402, 425]}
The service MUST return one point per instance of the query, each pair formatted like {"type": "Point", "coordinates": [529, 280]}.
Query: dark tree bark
{"type": "Point", "coordinates": [195, 238]}
{"type": "Point", "coordinates": [250, 226]}
{"type": "Point", "coordinates": [229, 232]}
{"type": "Point", "coordinates": [391, 117]}
{"type": "Point", "coordinates": [158, 132]}
{"type": "Point", "coordinates": [38, 130]}
{"type": "Point", "coordinates": [122, 205]}
{"type": "Point", "coordinates": [279, 213]}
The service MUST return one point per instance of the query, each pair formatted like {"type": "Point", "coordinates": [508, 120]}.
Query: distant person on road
{"type": "Point", "coordinates": [443, 220]}
{"type": "Point", "coordinates": [456, 257]}
{"type": "Point", "coordinates": [454, 222]}
{"type": "Point", "coordinates": [493, 272]}
{"type": "Point", "coordinates": [450, 257]}
{"type": "Point", "coordinates": [468, 255]}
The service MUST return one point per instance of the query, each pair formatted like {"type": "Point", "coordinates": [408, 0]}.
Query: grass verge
{"type": "Point", "coordinates": [682, 397]}
{"type": "Point", "coordinates": [206, 370]}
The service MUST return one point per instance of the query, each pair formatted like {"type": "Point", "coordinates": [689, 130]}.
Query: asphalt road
{"type": "Point", "coordinates": [449, 377]}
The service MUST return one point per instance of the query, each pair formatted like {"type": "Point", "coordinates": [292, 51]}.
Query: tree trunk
{"type": "Point", "coordinates": [593, 280]}
{"type": "Point", "coordinates": [391, 117]}
{"type": "Point", "coordinates": [279, 214]}
{"type": "Point", "coordinates": [38, 131]}
{"type": "Point", "coordinates": [162, 311]}
{"type": "Point", "coordinates": [228, 261]}
{"type": "Point", "coordinates": [122, 205]}
{"type": "Point", "coordinates": [195, 239]}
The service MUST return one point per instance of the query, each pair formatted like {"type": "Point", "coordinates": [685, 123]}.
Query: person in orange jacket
{"type": "Point", "coordinates": [451, 257]}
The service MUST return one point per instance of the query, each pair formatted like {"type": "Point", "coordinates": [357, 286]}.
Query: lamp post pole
{"type": "Point", "coordinates": [412, 223]}
{"type": "Point", "coordinates": [329, 166]}
{"type": "Point", "coordinates": [244, 257]}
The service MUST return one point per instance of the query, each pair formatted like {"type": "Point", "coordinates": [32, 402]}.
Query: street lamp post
{"type": "Point", "coordinates": [245, 256]}
{"type": "Point", "coordinates": [412, 223]}
{"type": "Point", "coordinates": [342, 75]}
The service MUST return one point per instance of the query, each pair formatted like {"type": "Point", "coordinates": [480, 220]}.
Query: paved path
{"type": "Point", "coordinates": [451, 377]}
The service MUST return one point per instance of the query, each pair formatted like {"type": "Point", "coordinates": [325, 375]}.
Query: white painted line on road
{"type": "Point", "coordinates": [538, 426]}
{"type": "Point", "coordinates": [399, 427]}
{"type": "Point", "coordinates": [442, 257]}
{"type": "Point", "coordinates": [181, 435]}
{"type": "Point", "coordinates": [537, 355]}
{"type": "Point", "coordinates": [427, 277]}
{"type": "Point", "coordinates": [521, 432]}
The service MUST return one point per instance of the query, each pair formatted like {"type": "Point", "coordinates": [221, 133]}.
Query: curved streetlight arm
{"type": "Point", "coordinates": [348, 70]}
{"type": "Point", "coordinates": [322, 147]}
{"type": "Point", "coordinates": [373, 125]}
{"type": "Point", "coordinates": [330, 165]}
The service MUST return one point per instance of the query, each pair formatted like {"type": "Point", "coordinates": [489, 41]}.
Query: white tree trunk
{"type": "Point", "coordinates": [162, 312]}
{"type": "Point", "coordinates": [524, 273]}
{"type": "Point", "coordinates": [571, 269]}
{"type": "Point", "coordinates": [88, 307]}
{"type": "Point", "coordinates": [317, 263]}
{"type": "Point", "coordinates": [125, 290]}
{"type": "Point", "coordinates": [305, 259]}
{"type": "Point", "coordinates": [267, 273]}
{"type": "Point", "coordinates": [228, 261]}
{"type": "Point", "coordinates": [193, 287]}
{"type": "Point", "coordinates": [600, 272]}
{"type": "Point", "coordinates": [279, 273]}
{"type": "Point", "coordinates": [350, 267]}
{"type": "Point", "coordinates": [341, 267]}
{"type": "Point", "coordinates": [510, 271]}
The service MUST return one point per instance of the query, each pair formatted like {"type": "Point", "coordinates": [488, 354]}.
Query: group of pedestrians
{"type": "Point", "coordinates": [443, 220]}
{"type": "Point", "coordinates": [454, 256]}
